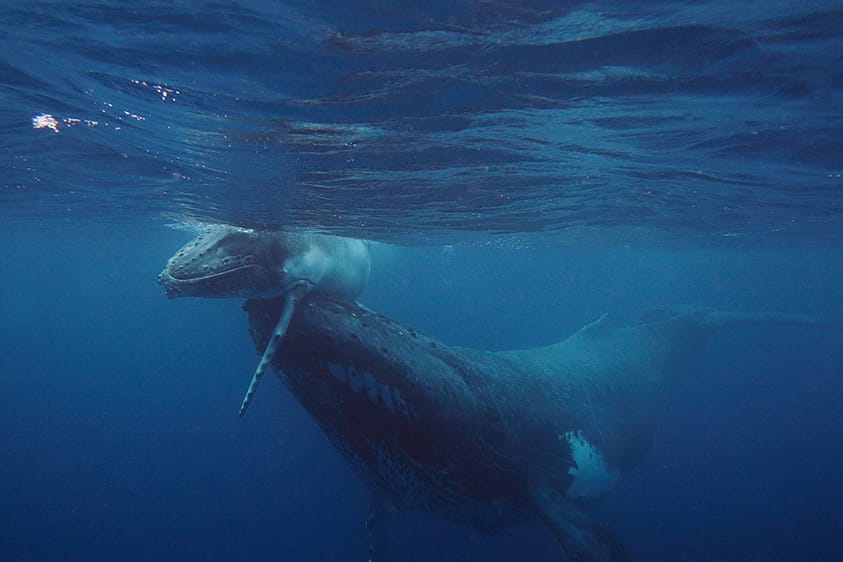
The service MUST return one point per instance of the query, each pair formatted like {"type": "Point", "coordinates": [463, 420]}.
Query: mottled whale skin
{"type": "Point", "coordinates": [488, 438]}
{"type": "Point", "coordinates": [228, 262]}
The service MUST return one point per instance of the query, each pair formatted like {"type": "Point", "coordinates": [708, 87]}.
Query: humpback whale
{"type": "Point", "coordinates": [489, 438]}
{"type": "Point", "coordinates": [227, 261]}
{"type": "Point", "coordinates": [481, 438]}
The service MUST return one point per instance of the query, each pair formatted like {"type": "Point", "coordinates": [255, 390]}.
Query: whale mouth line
{"type": "Point", "coordinates": [212, 275]}
{"type": "Point", "coordinates": [219, 284]}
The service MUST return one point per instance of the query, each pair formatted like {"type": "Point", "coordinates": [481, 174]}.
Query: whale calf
{"type": "Point", "coordinates": [488, 438]}
{"type": "Point", "coordinates": [226, 262]}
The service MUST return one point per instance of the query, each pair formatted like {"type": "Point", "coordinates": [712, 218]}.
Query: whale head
{"type": "Point", "coordinates": [226, 262]}
{"type": "Point", "coordinates": [230, 262]}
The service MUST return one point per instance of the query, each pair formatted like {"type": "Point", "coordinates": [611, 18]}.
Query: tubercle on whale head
{"type": "Point", "coordinates": [227, 262]}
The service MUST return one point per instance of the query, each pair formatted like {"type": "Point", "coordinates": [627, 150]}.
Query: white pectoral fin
{"type": "Point", "coordinates": [582, 538]}
{"type": "Point", "coordinates": [290, 299]}
{"type": "Point", "coordinates": [592, 477]}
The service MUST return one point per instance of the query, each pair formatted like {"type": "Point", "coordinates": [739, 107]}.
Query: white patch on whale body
{"type": "Point", "coordinates": [338, 372]}
{"type": "Point", "coordinates": [592, 477]}
{"type": "Point", "coordinates": [333, 265]}
{"type": "Point", "coordinates": [364, 382]}
{"type": "Point", "coordinates": [356, 382]}
{"type": "Point", "coordinates": [370, 387]}
{"type": "Point", "coordinates": [386, 398]}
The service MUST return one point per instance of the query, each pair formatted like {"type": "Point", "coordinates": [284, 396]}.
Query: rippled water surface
{"type": "Point", "coordinates": [419, 120]}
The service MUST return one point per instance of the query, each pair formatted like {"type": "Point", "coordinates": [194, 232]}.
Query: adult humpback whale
{"type": "Point", "coordinates": [482, 438]}
{"type": "Point", "coordinates": [488, 438]}
{"type": "Point", "coordinates": [227, 261]}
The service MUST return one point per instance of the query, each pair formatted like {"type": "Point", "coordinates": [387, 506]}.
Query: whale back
{"type": "Point", "coordinates": [616, 380]}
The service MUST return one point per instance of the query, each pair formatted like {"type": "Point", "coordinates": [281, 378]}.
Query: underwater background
{"type": "Point", "coordinates": [522, 168]}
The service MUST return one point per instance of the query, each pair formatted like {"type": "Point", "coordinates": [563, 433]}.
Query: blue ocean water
{"type": "Point", "coordinates": [532, 165]}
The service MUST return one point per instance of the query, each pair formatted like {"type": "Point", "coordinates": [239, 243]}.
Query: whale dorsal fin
{"type": "Point", "coordinates": [582, 538]}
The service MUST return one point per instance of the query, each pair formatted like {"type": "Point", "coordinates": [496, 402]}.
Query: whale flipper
{"type": "Point", "coordinates": [290, 299]}
{"type": "Point", "coordinates": [582, 538]}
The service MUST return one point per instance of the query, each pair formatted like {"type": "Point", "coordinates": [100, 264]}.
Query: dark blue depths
{"type": "Point", "coordinates": [121, 438]}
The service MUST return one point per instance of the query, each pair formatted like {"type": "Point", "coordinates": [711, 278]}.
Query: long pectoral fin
{"type": "Point", "coordinates": [290, 300]}
{"type": "Point", "coordinates": [582, 538]}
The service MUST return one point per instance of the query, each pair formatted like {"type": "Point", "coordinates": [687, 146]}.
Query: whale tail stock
{"type": "Point", "coordinates": [716, 320]}
{"type": "Point", "coordinates": [664, 336]}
